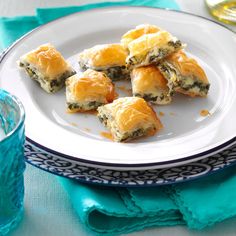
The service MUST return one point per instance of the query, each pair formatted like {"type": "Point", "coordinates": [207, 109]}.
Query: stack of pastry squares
{"type": "Point", "coordinates": [152, 59]}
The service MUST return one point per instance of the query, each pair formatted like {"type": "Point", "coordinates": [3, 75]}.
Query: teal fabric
{"type": "Point", "coordinates": [13, 28]}
{"type": "Point", "coordinates": [207, 201]}
{"type": "Point", "coordinates": [107, 210]}
{"type": "Point", "coordinates": [198, 204]}
{"type": "Point", "coordinates": [45, 15]}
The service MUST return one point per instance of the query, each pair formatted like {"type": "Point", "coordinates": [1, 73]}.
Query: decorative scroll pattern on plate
{"type": "Point", "coordinates": [66, 168]}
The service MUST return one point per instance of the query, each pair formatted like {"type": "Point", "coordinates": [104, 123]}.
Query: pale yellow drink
{"type": "Point", "coordinates": [223, 10]}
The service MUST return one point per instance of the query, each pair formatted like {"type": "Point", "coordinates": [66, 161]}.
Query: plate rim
{"type": "Point", "coordinates": [177, 162]}
{"type": "Point", "coordinates": [134, 181]}
{"type": "Point", "coordinates": [164, 164]}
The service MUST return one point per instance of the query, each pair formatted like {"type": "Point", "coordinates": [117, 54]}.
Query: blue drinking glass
{"type": "Point", "coordinates": [12, 165]}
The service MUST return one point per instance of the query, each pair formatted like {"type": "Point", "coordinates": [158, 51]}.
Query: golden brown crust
{"type": "Point", "coordinates": [147, 42]}
{"type": "Point", "coordinates": [147, 78]}
{"type": "Point", "coordinates": [47, 60]}
{"type": "Point", "coordinates": [187, 66]}
{"type": "Point", "coordinates": [104, 55]}
{"type": "Point", "coordinates": [92, 85]}
{"type": "Point", "coordinates": [133, 112]}
{"type": "Point", "coordinates": [138, 32]}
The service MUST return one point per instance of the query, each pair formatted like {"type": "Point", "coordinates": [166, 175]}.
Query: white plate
{"type": "Point", "coordinates": [186, 137]}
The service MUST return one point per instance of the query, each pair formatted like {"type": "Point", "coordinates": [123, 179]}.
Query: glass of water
{"type": "Point", "coordinates": [12, 165]}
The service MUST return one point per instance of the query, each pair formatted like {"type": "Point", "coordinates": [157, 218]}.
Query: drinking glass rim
{"type": "Point", "coordinates": [21, 118]}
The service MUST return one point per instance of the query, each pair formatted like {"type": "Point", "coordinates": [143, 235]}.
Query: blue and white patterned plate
{"type": "Point", "coordinates": [69, 169]}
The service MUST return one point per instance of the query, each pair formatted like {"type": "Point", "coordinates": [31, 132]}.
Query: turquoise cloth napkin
{"type": "Point", "coordinates": [198, 204]}
{"type": "Point", "coordinates": [107, 210]}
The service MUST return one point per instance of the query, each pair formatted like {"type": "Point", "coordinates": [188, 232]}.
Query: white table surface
{"type": "Point", "coordinates": [47, 208]}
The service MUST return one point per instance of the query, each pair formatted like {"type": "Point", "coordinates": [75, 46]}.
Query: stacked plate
{"type": "Point", "coordinates": [70, 145]}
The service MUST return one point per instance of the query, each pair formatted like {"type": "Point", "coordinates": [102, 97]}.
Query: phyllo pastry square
{"type": "Point", "coordinates": [137, 32]}
{"type": "Point", "coordinates": [88, 91]}
{"type": "Point", "coordinates": [150, 84]}
{"type": "Point", "coordinates": [47, 66]}
{"type": "Point", "coordinates": [129, 118]}
{"type": "Point", "coordinates": [185, 75]}
{"type": "Point", "coordinates": [108, 58]}
{"type": "Point", "coordinates": [151, 48]}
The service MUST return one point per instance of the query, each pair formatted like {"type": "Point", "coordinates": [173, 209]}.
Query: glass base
{"type": "Point", "coordinates": [5, 228]}
{"type": "Point", "coordinates": [224, 11]}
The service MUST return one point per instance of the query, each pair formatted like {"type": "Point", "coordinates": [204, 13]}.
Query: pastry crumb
{"type": "Point", "coordinates": [205, 112]}
{"type": "Point", "coordinates": [106, 135]}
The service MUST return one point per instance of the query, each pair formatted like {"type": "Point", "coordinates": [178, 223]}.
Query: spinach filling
{"type": "Point", "coordinates": [155, 55]}
{"type": "Point", "coordinates": [83, 66]}
{"type": "Point", "coordinates": [114, 73]}
{"type": "Point", "coordinates": [53, 85]}
{"type": "Point", "coordinates": [181, 81]}
{"type": "Point", "coordinates": [203, 88]}
{"type": "Point", "coordinates": [32, 74]}
{"type": "Point", "coordinates": [166, 68]}
{"type": "Point", "coordinates": [170, 74]}
{"type": "Point", "coordinates": [151, 57]}
{"type": "Point", "coordinates": [88, 106]}
{"type": "Point", "coordinates": [103, 119]}
{"type": "Point", "coordinates": [175, 45]}
{"type": "Point", "coordinates": [60, 80]}
{"type": "Point", "coordinates": [134, 60]}
{"type": "Point", "coordinates": [21, 64]}
{"type": "Point", "coordinates": [149, 97]}
{"type": "Point", "coordinates": [30, 71]}
{"type": "Point", "coordinates": [137, 133]}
